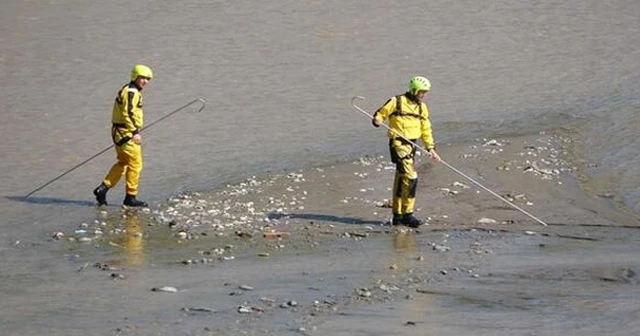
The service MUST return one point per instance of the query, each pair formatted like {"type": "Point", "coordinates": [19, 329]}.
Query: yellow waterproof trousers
{"type": "Point", "coordinates": [130, 163]}
{"type": "Point", "coordinates": [405, 180]}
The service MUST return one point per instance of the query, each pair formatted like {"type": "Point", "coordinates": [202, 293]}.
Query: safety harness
{"type": "Point", "coordinates": [395, 158]}
{"type": "Point", "coordinates": [116, 129]}
{"type": "Point", "coordinates": [399, 113]}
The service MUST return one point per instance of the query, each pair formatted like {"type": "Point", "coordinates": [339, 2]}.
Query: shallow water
{"type": "Point", "coordinates": [545, 286]}
{"type": "Point", "coordinates": [278, 77]}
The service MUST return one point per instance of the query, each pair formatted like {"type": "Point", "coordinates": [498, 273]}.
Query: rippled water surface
{"type": "Point", "coordinates": [278, 77]}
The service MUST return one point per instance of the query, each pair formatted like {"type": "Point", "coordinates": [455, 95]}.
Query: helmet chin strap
{"type": "Point", "coordinates": [413, 96]}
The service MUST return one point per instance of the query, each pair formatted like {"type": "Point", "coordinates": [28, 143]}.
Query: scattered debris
{"type": "Point", "coordinates": [165, 289]}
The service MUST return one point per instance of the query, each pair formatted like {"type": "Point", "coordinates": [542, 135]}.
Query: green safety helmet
{"type": "Point", "coordinates": [141, 70]}
{"type": "Point", "coordinates": [419, 83]}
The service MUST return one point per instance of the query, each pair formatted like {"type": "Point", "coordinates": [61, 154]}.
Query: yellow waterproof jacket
{"type": "Point", "coordinates": [127, 116]}
{"type": "Point", "coordinates": [408, 118]}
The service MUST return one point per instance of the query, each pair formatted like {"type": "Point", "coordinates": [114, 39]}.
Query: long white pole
{"type": "Point", "coordinates": [448, 165]}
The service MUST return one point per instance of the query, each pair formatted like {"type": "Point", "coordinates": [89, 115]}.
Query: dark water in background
{"type": "Point", "coordinates": [278, 77]}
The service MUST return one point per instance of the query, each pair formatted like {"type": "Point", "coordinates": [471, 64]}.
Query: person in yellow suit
{"type": "Point", "coordinates": [128, 119]}
{"type": "Point", "coordinates": [408, 119]}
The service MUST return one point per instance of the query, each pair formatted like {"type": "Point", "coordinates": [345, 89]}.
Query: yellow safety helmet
{"type": "Point", "coordinates": [419, 83]}
{"type": "Point", "coordinates": [141, 70]}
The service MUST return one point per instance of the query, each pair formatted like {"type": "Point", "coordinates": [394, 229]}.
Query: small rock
{"type": "Point", "coordinates": [492, 142]}
{"type": "Point", "coordinates": [242, 234]}
{"type": "Point", "coordinates": [365, 293]}
{"type": "Point", "coordinates": [388, 289]}
{"type": "Point", "coordinates": [461, 185]}
{"type": "Point", "coordinates": [244, 310]}
{"type": "Point", "coordinates": [117, 276]}
{"type": "Point", "coordinates": [485, 220]}
{"type": "Point", "coordinates": [269, 300]}
{"type": "Point", "coordinates": [276, 234]}
{"type": "Point", "coordinates": [441, 248]}
{"type": "Point", "coordinates": [199, 309]}
{"type": "Point", "coordinates": [166, 289]}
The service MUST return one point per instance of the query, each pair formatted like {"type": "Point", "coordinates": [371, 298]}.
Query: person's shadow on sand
{"type": "Point", "coordinates": [51, 201]}
{"type": "Point", "coordinates": [324, 218]}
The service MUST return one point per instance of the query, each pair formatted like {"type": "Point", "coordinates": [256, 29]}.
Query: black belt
{"type": "Point", "coordinates": [403, 140]}
{"type": "Point", "coordinates": [124, 139]}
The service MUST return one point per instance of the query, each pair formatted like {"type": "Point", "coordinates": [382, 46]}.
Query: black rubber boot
{"type": "Point", "coordinates": [130, 200]}
{"type": "Point", "coordinates": [397, 219]}
{"type": "Point", "coordinates": [410, 221]}
{"type": "Point", "coordinates": [101, 194]}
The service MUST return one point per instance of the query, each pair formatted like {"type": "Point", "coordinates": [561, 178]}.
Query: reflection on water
{"type": "Point", "coordinates": [404, 242]}
{"type": "Point", "coordinates": [132, 240]}
{"type": "Point", "coordinates": [404, 245]}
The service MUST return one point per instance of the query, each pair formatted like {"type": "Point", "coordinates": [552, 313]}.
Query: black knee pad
{"type": "Point", "coordinates": [413, 186]}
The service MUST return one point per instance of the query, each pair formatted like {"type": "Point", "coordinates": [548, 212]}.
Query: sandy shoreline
{"type": "Point", "coordinates": [311, 252]}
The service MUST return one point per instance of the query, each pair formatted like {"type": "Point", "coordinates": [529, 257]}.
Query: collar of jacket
{"type": "Point", "coordinates": [133, 84]}
{"type": "Point", "coordinates": [411, 97]}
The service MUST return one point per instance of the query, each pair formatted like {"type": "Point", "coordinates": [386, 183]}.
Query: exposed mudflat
{"type": "Point", "coordinates": [312, 252]}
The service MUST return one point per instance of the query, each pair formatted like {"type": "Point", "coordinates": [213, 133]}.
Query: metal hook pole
{"type": "Point", "coordinates": [448, 165]}
{"type": "Point", "coordinates": [111, 146]}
